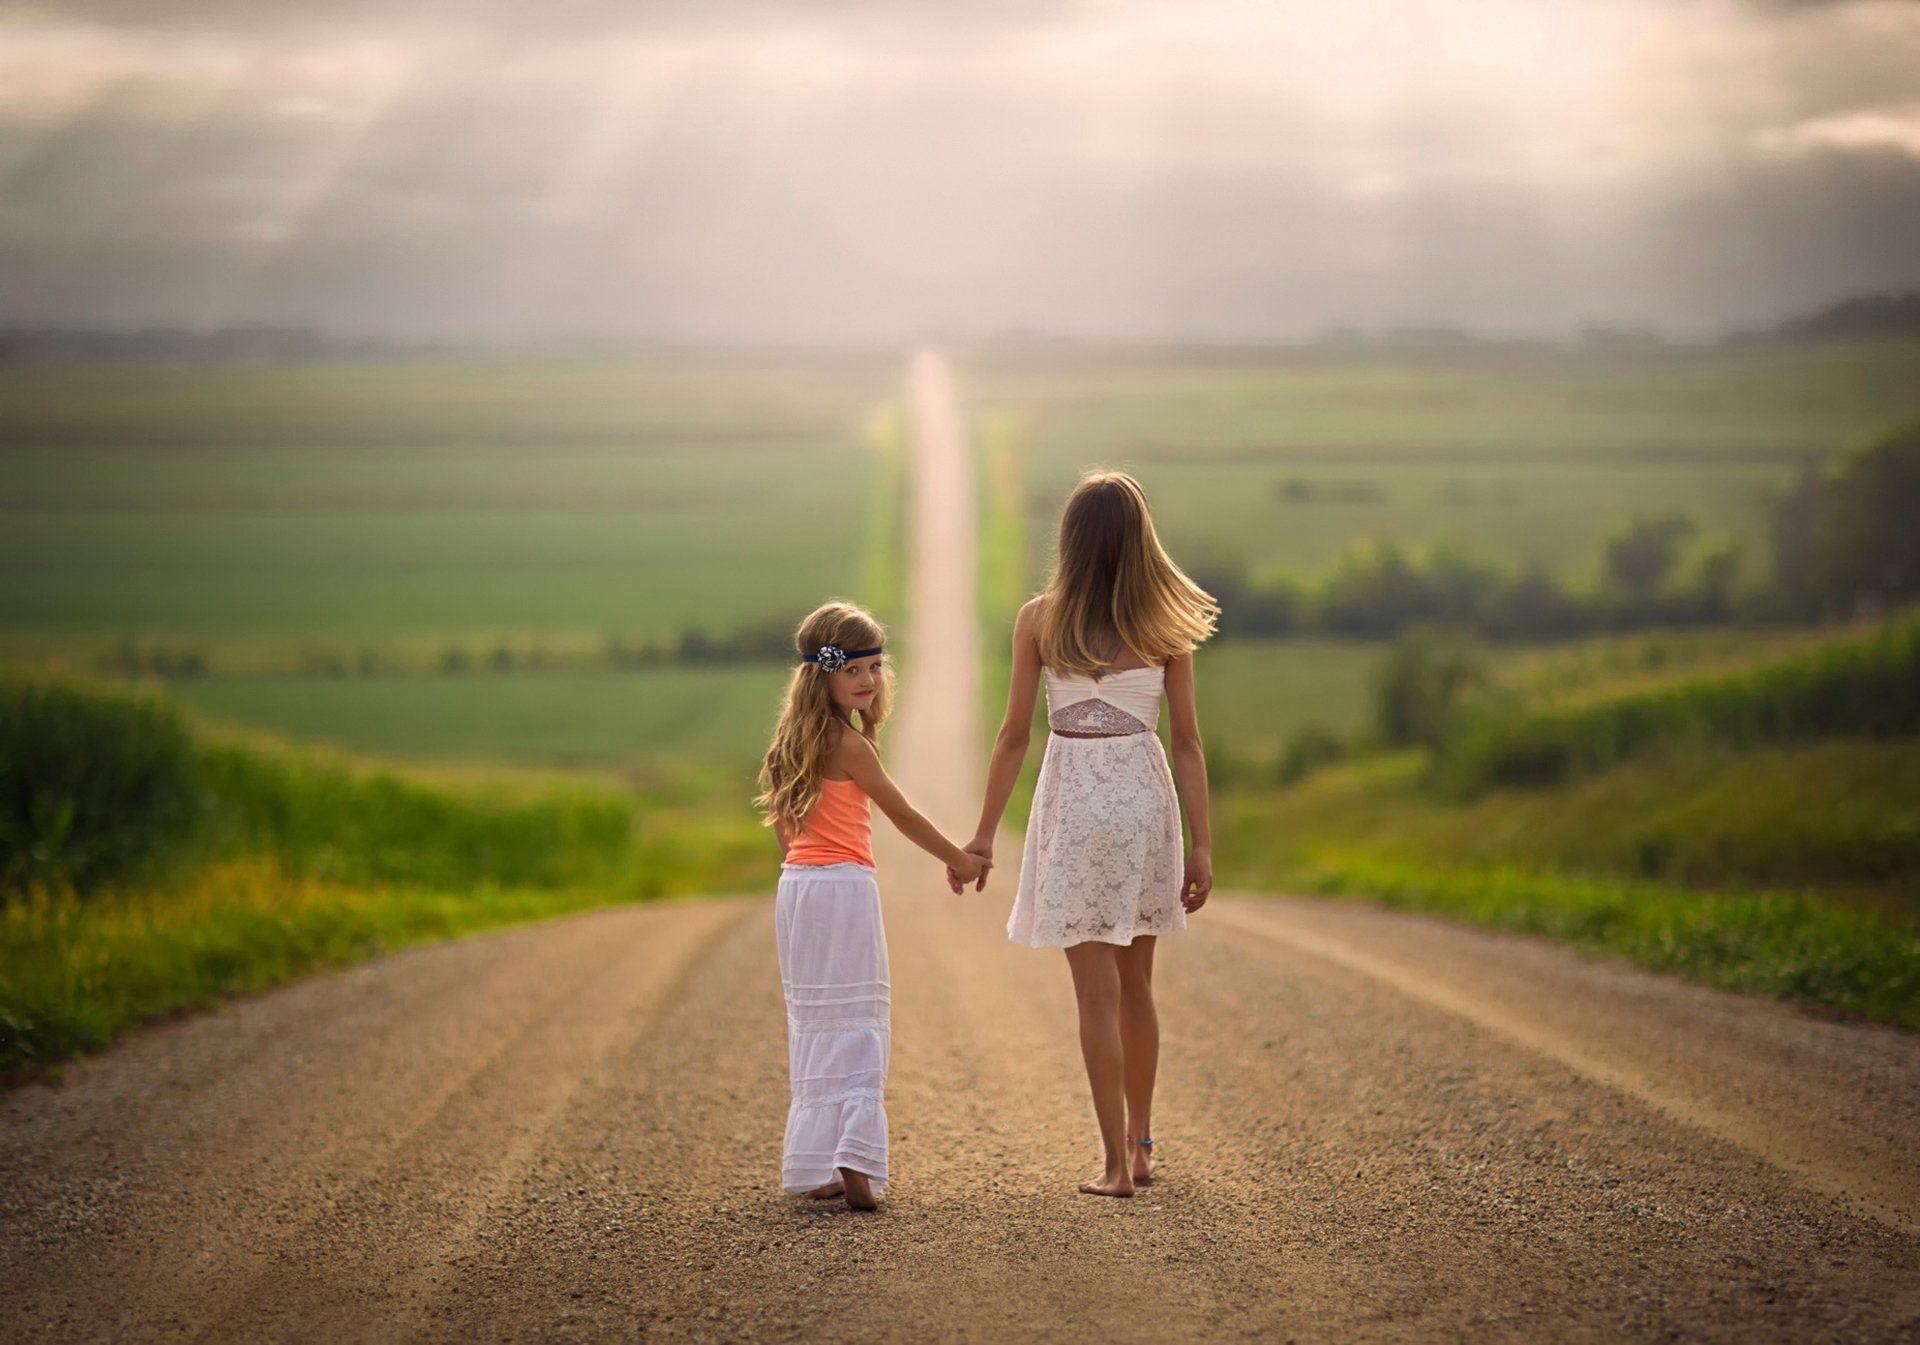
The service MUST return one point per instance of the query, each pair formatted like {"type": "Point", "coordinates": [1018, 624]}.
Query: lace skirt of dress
{"type": "Point", "coordinates": [1103, 856]}
{"type": "Point", "coordinates": [833, 963]}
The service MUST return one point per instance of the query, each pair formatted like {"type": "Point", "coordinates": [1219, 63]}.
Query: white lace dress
{"type": "Point", "coordinates": [1103, 858]}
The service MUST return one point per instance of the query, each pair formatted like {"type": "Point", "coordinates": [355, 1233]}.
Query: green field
{"type": "Point", "coordinates": [282, 522]}
{"type": "Point", "coordinates": [345, 502]}
{"type": "Point", "coordinates": [537, 566]}
{"type": "Point", "coordinates": [1281, 458]}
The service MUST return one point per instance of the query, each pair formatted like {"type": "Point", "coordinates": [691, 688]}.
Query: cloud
{"type": "Point", "coordinates": [1891, 130]}
{"type": "Point", "coordinates": [521, 19]}
{"type": "Point", "coordinates": [732, 168]}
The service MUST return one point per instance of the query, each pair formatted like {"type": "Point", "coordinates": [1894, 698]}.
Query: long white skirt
{"type": "Point", "coordinates": [833, 962]}
{"type": "Point", "coordinates": [1103, 860]}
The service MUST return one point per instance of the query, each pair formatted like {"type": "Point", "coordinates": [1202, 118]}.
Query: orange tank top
{"type": "Point", "coordinates": [839, 830]}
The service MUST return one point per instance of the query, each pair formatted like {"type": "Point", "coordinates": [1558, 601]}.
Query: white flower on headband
{"type": "Point", "coordinates": [831, 658]}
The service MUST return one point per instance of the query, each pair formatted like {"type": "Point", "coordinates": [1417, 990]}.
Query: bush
{"type": "Point", "coordinates": [1418, 688]}
{"type": "Point", "coordinates": [1307, 751]}
{"type": "Point", "coordinates": [1868, 545]}
{"type": "Point", "coordinates": [1640, 558]}
{"type": "Point", "coordinates": [94, 788]}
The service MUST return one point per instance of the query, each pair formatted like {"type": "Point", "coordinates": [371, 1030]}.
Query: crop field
{"type": "Point", "coordinates": [1280, 459]}
{"type": "Point", "coordinates": [283, 523]}
{"type": "Point", "coordinates": [345, 502]}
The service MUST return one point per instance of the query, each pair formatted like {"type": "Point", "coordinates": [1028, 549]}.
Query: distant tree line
{"type": "Point", "coordinates": [1862, 317]}
{"type": "Point", "coordinates": [1844, 544]}
{"type": "Point", "coordinates": [765, 641]}
{"type": "Point", "coordinates": [229, 345]}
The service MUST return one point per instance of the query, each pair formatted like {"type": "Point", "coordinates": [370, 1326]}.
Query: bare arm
{"type": "Point", "coordinates": [857, 757]}
{"type": "Point", "coordinates": [1016, 731]}
{"type": "Point", "coordinates": [1190, 775]}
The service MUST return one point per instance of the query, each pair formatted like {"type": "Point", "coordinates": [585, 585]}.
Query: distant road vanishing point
{"type": "Point", "coordinates": [1376, 1126]}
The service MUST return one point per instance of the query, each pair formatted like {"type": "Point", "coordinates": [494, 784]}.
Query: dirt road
{"type": "Point", "coordinates": [1376, 1128]}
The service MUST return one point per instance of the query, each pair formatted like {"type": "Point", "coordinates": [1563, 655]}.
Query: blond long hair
{"type": "Point", "coordinates": [1114, 586]}
{"type": "Point", "coordinates": [791, 774]}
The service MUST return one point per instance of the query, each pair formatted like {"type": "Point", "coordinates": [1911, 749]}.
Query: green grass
{"type": "Point", "coordinates": [256, 863]}
{"type": "Point", "coordinates": [1841, 816]}
{"type": "Point", "coordinates": [314, 814]}
{"type": "Point", "coordinates": [1006, 578]}
{"type": "Point", "coordinates": [889, 508]}
{"type": "Point", "coordinates": [73, 976]}
{"type": "Point", "coordinates": [1780, 945]}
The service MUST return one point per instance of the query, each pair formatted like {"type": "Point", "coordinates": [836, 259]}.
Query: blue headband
{"type": "Point", "coordinates": [832, 657]}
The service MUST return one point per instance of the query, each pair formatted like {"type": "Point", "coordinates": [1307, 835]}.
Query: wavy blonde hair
{"type": "Point", "coordinates": [791, 774]}
{"type": "Point", "coordinates": [1114, 586]}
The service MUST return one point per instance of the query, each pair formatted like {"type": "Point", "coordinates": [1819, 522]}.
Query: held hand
{"type": "Point", "coordinates": [1198, 883]}
{"type": "Point", "coordinates": [969, 870]}
{"type": "Point", "coordinates": [983, 850]}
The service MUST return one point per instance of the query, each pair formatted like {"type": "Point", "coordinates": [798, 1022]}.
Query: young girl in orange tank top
{"type": "Point", "coordinates": [821, 775]}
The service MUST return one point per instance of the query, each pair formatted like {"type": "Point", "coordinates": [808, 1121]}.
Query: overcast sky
{"type": "Point", "coordinates": [777, 169]}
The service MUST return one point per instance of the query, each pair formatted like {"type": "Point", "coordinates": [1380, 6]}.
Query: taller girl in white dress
{"type": "Point", "coordinates": [1102, 875]}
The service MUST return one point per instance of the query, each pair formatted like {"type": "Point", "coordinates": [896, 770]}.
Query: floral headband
{"type": "Point", "coordinates": [832, 658]}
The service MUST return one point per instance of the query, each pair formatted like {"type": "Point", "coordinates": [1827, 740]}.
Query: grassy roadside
{"type": "Point", "coordinates": [1782, 945]}
{"type": "Point", "coordinates": [1705, 846]}
{"type": "Point", "coordinates": [1703, 816]}
{"type": "Point", "coordinates": [150, 866]}
{"type": "Point", "coordinates": [888, 511]}
{"type": "Point", "coordinates": [74, 975]}
{"type": "Point", "coordinates": [1005, 578]}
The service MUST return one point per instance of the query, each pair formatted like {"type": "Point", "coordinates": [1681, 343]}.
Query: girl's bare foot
{"type": "Point", "coordinates": [1112, 1183]}
{"type": "Point", "coordinates": [828, 1191]}
{"type": "Point", "coordinates": [859, 1190]}
{"type": "Point", "coordinates": [1142, 1162]}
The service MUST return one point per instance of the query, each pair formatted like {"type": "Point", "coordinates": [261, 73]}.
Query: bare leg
{"type": "Point", "coordinates": [1140, 1039]}
{"type": "Point", "coordinates": [828, 1191]}
{"type": "Point", "coordinates": [1096, 984]}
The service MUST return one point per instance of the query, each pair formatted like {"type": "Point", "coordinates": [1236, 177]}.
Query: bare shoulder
{"type": "Point", "coordinates": [848, 750]}
{"type": "Point", "coordinates": [1027, 623]}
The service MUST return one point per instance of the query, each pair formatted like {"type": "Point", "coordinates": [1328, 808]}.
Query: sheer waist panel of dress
{"type": "Point", "coordinates": [1121, 702]}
